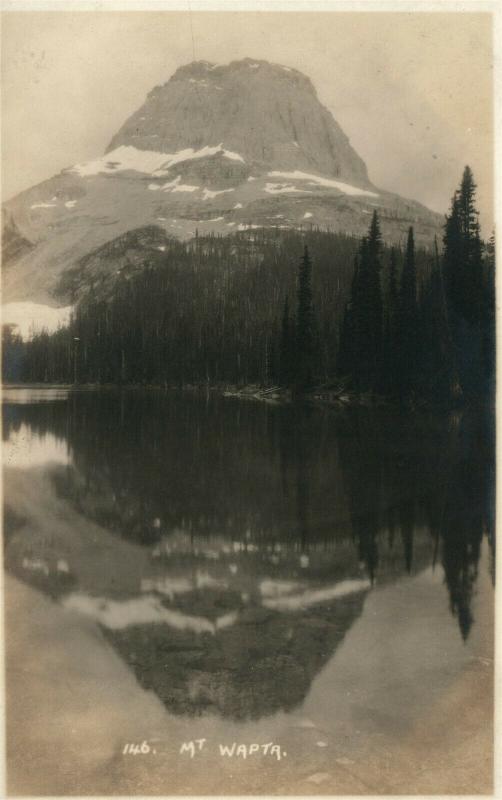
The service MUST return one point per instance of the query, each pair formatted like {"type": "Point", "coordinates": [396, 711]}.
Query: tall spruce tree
{"type": "Point", "coordinates": [473, 267]}
{"type": "Point", "coordinates": [286, 351]}
{"type": "Point", "coordinates": [453, 255]}
{"type": "Point", "coordinates": [375, 304]}
{"type": "Point", "coordinates": [13, 350]}
{"type": "Point", "coordinates": [463, 268]}
{"type": "Point", "coordinates": [369, 314]}
{"type": "Point", "coordinates": [304, 376]}
{"type": "Point", "coordinates": [407, 332]}
{"type": "Point", "coordinates": [346, 355]}
{"type": "Point", "coordinates": [361, 335]}
{"type": "Point", "coordinates": [390, 334]}
{"type": "Point", "coordinates": [488, 318]}
{"type": "Point", "coordinates": [409, 277]}
{"type": "Point", "coordinates": [360, 318]}
{"type": "Point", "coordinates": [437, 376]}
{"type": "Point", "coordinates": [393, 294]}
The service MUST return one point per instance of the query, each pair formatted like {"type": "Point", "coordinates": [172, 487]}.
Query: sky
{"type": "Point", "coordinates": [412, 91]}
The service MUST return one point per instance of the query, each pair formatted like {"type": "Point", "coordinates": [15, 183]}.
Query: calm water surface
{"type": "Point", "coordinates": [182, 567]}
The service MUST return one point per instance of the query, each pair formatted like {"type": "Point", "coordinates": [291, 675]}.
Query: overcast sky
{"type": "Point", "coordinates": [413, 91]}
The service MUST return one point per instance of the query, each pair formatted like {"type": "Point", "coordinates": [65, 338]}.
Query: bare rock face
{"type": "Point", "coordinates": [269, 114]}
{"type": "Point", "coordinates": [216, 149]}
{"type": "Point", "coordinates": [14, 245]}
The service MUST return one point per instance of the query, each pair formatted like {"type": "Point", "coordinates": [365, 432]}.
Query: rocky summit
{"type": "Point", "coordinates": [267, 115]}
{"type": "Point", "coordinates": [215, 149]}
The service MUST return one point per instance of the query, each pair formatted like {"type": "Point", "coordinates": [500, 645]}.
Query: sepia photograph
{"type": "Point", "coordinates": [248, 398]}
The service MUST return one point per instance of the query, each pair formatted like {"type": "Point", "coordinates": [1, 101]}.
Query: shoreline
{"type": "Point", "coordinates": [275, 395]}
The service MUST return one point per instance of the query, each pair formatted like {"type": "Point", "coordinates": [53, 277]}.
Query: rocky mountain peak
{"type": "Point", "coordinates": [267, 113]}
{"type": "Point", "coordinates": [247, 68]}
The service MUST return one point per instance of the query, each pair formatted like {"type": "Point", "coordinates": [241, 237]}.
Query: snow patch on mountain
{"type": "Point", "coordinates": [123, 158]}
{"type": "Point", "coordinates": [329, 183]}
{"type": "Point", "coordinates": [176, 186]}
{"type": "Point", "coordinates": [43, 205]}
{"type": "Point", "coordinates": [173, 186]}
{"type": "Point", "coordinates": [208, 194]}
{"type": "Point", "coordinates": [149, 162]}
{"type": "Point", "coordinates": [284, 188]}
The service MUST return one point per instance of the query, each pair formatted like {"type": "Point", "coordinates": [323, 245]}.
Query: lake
{"type": "Point", "coordinates": [209, 595]}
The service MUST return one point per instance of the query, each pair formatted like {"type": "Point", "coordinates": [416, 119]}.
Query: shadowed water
{"type": "Point", "coordinates": [252, 564]}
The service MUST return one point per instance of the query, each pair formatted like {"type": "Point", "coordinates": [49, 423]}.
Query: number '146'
{"type": "Point", "coordinates": [136, 749]}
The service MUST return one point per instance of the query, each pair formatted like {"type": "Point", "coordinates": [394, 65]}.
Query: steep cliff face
{"type": "Point", "coordinates": [215, 149]}
{"type": "Point", "coordinates": [267, 113]}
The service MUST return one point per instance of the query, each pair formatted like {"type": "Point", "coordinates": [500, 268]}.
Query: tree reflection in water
{"type": "Point", "coordinates": [246, 535]}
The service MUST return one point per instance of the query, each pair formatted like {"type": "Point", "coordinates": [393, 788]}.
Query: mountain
{"type": "Point", "coordinates": [215, 149]}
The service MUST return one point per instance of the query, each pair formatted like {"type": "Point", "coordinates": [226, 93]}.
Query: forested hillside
{"type": "Point", "coordinates": [299, 309]}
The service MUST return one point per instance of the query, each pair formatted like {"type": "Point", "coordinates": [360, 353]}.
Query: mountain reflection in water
{"type": "Point", "coordinates": [226, 548]}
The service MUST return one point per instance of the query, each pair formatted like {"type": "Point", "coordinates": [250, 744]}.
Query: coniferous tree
{"type": "Point", "coordinates": [453, 255]}
{"type": "Point", "coordinates": [407, 329]}
{"type": "Point", "coordinates": [488, 319]}
{"type": "Point", "coordinates": [390, 335]}
{"type": "Point", "coordinates": [374, 255]}
{"type": "Point", "coordinates": [273, 373]}
{"type": "Point", "coordinates": [374, 303]}
{"type": "Point", "coordinates": [472, 267]}
{"type": "Point", "coordinates": [368, 311]}
{"type": "Point", "coordinates": [436, 366]}
{"type": "Point", "coordinates": [409, 278]}
{"type": "Point", "coordinates": [317, 364]}
{"type": "Point", "coordinates": [361, 333]}
{"type": "Point", "coordinates": [463, 267]}
{"type": "Point", "coordinates": [393, 293]}
{"type": "Point", "coordinates": [347, 339]}
{"type": "Point", "coordinates": [304, 326]}
{"type": "Point", "coordinates": [13, 351]}
{"type": "Point", "coordinates": [361, 316]}
{"type": "Point", "coordinates": [286, 352]}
